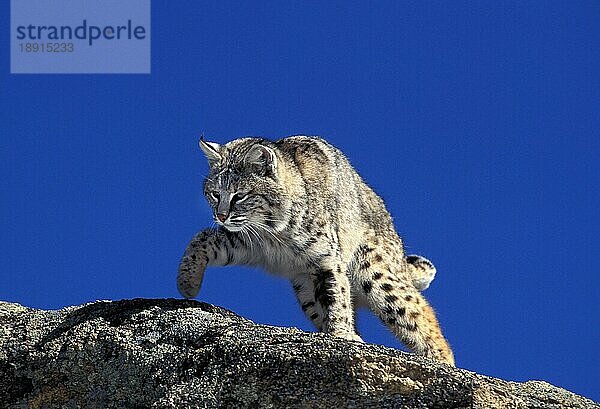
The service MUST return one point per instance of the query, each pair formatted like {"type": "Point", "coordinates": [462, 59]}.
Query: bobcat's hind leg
{"type": "Point", "coordinates": [396, 301]}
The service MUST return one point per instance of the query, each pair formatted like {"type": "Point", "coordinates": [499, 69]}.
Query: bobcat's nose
{"type": "Point", "coordinates": [221, 217]}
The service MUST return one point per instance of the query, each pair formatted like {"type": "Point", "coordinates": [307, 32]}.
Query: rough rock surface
{"type": "Point", "coordinates": [167, 353]}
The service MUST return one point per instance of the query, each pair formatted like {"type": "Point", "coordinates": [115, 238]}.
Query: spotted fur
{"type": "Point", "coordinates": [297, 208]}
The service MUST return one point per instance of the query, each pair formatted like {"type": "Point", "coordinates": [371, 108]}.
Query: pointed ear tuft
{"type": "Point", "coordinates": [262, 157]}
{"type": "Point", "coordinates": [211, 150]}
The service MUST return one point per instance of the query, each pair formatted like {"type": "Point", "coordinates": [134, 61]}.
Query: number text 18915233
{"type": "Point", "coordinates": [46, 47]}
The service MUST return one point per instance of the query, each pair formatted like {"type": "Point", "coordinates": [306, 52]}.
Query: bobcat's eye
{"type": "Point", "coordinates": [214, 195]}
{"type": "Point", "coordinates": [238, 198]}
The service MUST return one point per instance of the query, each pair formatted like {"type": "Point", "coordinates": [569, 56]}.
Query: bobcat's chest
{"type": "Point", "coordinates": [286, 258]}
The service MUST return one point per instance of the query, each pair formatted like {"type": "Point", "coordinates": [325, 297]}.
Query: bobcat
{"type": "Point", "coordinates": [297, 208]}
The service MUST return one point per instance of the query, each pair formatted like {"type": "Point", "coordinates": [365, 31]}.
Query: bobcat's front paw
{"type": "Point", "coordinates": [191, 273]}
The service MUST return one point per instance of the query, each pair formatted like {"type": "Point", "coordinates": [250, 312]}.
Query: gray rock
{"type": "Point", "coordinates": [167, 353]}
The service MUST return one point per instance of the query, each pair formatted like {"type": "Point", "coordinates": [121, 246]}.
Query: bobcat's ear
{"type": "Point", "coordinates": [212, 151]}
{"type": "Point", "coordinates": [263, 157]}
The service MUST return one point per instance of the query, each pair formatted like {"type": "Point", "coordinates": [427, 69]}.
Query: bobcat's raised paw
{"type": "Point", "coordinates": [189, 279]}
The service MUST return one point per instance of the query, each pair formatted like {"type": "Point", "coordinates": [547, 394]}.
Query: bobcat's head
{"type": "Point", "coordinates": [243, 187]}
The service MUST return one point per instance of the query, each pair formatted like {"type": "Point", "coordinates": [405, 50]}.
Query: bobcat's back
{"type": "Point", "coordinates": [333, 191]}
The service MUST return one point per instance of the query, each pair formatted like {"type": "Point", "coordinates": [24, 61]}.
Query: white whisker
{"type": "Point", "coordinates": [268, 230]}
{"type": "Point", "coordinates": [259, 239]}
{"type": "Point", "coordinates": [247, 237]}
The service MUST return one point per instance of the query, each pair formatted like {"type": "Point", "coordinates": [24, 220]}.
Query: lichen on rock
{"type": "Point", "coordinates": [167, 353]}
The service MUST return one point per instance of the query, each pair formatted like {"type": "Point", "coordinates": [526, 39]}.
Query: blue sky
{"type": "Point", "coordinates": [478, 123]}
